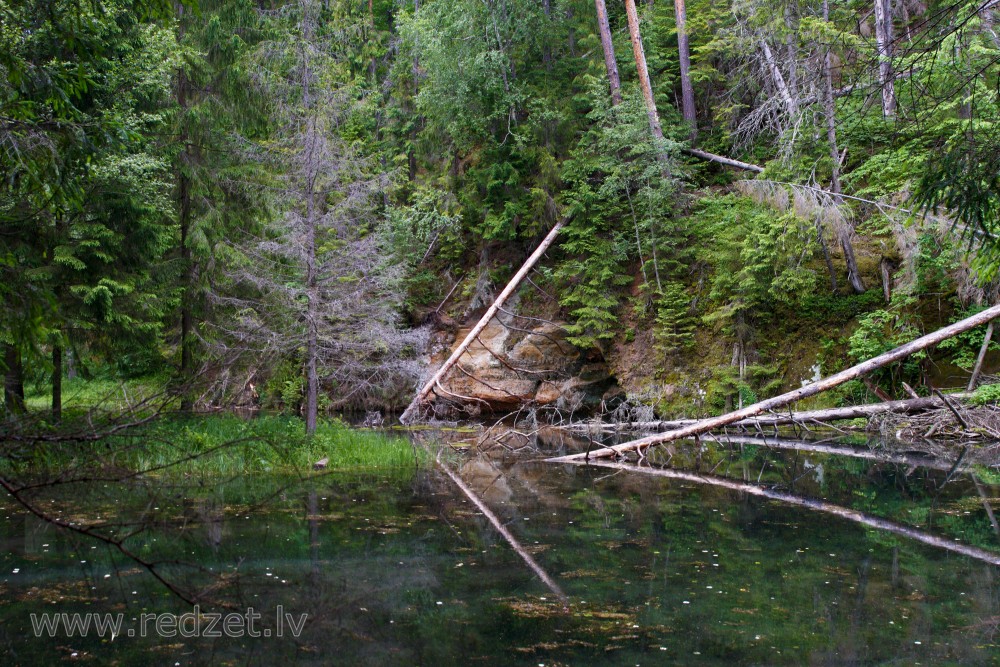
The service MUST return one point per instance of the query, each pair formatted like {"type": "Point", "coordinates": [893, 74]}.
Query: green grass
{"type": "Point", "coordinates": [110, 394]}
{"type": "Point", "coordinates": [228, 445]}
{"type": "Point", "coordinates": [221, 444]}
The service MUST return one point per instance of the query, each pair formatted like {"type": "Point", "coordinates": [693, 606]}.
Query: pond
{"type": "Point", "coordinates": [400, 567]}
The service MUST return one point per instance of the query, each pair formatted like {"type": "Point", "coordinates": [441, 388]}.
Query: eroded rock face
{"type": "Point", "coordinates": [506, 369]}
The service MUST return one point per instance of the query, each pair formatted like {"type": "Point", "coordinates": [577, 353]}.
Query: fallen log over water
{"type": "Point", "coordinates": [911, 405]}
{"type": "Point", "coordinates": [413, 409]}
{"type": "Point", "coordinates": [991, 557]}
{"type": "Point", "coordinates": [852, 373]}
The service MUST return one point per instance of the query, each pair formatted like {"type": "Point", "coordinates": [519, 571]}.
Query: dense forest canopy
{"type": "Point", "coordinates": [281, 196]}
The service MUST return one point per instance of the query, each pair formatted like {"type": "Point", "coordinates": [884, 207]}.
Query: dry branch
{"type": "Point", "coordinates": [852, 373]}
{"type": "Point", "coordinates": [983, 422]}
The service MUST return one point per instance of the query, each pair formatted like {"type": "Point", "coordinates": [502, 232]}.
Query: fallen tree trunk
{"type": "Point", "coordinates": [825, 415]}
{"type": "Point", "coordinates": [991, 557]}
{"type": "Point", "coordinates": [721, 159]}
{"type": "Point", "coordinates": [852, 373]}
{"type": "Point", "coordinates": [411, 412]}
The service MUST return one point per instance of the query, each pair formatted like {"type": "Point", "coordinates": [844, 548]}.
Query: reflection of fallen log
{"type": "Point", "coordinates": [502, 529]}
{"type": "Point", "coordinates": [993, 558]}
{"type": "Point", "coordinates": [412, 411]}
{"type": "Point", "coordinates": [852, 373]}
{"type": "Point", "coordinates": [915, 460]}
{"type": "Point", "coordinates": [777, 419]}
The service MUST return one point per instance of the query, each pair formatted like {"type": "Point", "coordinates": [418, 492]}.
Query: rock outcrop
{"type": "Point", "coordinates": [531, 365]}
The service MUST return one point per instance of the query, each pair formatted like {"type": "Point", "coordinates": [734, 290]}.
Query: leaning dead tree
{"type": "Point", "coordinates": [852, 373]}
{"type": "Point", "coordinates": [412, 411]}
{"type": "Point", "coordinates": [883, 45]}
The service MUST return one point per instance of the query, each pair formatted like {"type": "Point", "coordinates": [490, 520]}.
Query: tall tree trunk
{"type": "Point", "coordinates": [184, 196]}
{"type": "Point", "coordinates": [13, 381]}
{"type": "Point", "coordinates": [830, 109]}
{"type": "Point", "coordinates": [546, 48]}
{"type": "Point", "coordinates": [571, 33]}
{"type": "Point", "coordinates": [312, 351]}
{"type": "Point", "coordinates": [843, 231]}
{"type": "Point", "coordinates": [184, 214]}
{"type": "Point", "coordinates": [853, 273]}
{"type": "Point", "coordinates": [311, 222]}
{"type": "Point", "coordinates": [608, 46]}
{"type": "Point", "coordinates": [684, 52]}
{"type": "Point", "coordinates": [826, 255]}
{"type": "Point", "coordinates": [791, 47]}
{"type": "Point", "coordinates": [373, 64]}
{"type": "Point", "coordinates": [883, 46]}
{"type": "Point", "coordinates": [643, 72]}
{"type": "Point", "coordinates": [411, 153]}
{"type": "Point", "coordinates": [57, 372]}
{"type": "Point", "coordinates": [312, 283]}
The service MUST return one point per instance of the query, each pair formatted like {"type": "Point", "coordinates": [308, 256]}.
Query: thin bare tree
{"type": "Point", "coordinates": [844, 231]}
{"type": "Point", "coordinates": [313, 285]}
{"type": "Point", "coordinates": [883, 46]}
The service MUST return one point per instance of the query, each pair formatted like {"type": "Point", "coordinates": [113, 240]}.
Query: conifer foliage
{"type": "Point", "coordinates": [283, 193]}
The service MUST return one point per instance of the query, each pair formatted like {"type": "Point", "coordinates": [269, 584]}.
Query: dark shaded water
{"type": "Point", "coordinates": [397, 567]}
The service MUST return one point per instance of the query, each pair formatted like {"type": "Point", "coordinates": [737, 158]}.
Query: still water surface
{"type": "Point", "coordinates": [397, 567]}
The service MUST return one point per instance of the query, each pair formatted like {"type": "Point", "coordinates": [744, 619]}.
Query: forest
{"type": "Point", "coordinates": [228, 195]}
{"type": "Point", "coordinates": [241, 239]}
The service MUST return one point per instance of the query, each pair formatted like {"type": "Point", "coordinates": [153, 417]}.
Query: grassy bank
{"type": "Point", "coordinates": [223, 444]}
